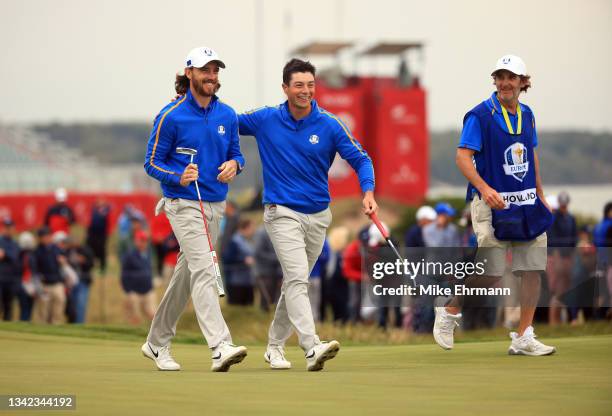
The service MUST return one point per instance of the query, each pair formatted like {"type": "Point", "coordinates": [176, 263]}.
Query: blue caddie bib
{"type": "Point", "coordinates": [506, 163]}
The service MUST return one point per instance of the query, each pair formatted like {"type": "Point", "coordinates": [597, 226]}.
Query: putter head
{"type": "Point", "coordinates": [186, 151]}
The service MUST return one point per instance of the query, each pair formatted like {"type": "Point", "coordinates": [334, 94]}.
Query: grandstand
{"type": "Point", "coordinates": [32, 162]}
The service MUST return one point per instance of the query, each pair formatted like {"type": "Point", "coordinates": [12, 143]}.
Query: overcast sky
{"type": "Point", "coordinates": [115, 60]}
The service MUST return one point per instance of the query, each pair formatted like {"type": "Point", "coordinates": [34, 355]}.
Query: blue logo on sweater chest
{"type": "Point", "coordinates": [314, 139]}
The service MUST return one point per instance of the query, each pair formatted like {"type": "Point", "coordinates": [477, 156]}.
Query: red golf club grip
{"type": "Point", "coordinates": [380, 227]}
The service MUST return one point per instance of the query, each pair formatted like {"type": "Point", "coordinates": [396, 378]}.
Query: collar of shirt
{"type": "Point", "coordinates": [495, 106]}
{"type": "Point", "coordinates": [193, 102]}
{"type": "Point", "coordinates": [297, 124]}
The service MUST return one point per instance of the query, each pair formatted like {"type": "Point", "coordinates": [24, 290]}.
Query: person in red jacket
{"type": "Point", "coordinates": [160, 231]}
{"type": "Point", "coordinates": [351, 268]}
{"type": "Point", "coordinates": [60, 216]}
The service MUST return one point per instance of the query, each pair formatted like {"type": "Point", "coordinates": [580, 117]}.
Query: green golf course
{"type": "Point", "coordinates": [111, 377]}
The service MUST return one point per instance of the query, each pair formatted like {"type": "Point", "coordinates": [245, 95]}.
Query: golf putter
{"type": "Point", "coordinates": [387, 237]}
{"type": "Point", "coordinates": [385, 234]}
{"type": "Point", "coordinates": [213, 254]}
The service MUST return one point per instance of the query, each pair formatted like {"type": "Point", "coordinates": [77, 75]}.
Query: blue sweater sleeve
{"type": "Point", "coordinates": [352, 151]}
{"type": "Point", "coordinates": [249, 121]}
{"type": "Point", "coordinates": [233, 150]}
{"type": "Point", "coordinates": [471, 137]}
{"type": "Point", "coordinates": [161, 143]}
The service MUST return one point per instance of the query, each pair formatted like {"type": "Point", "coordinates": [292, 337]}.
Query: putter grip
{"type": "Point", "coordinates": [376, 221]}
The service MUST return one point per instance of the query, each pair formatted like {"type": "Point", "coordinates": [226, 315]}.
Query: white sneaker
{"type": "Point", "coordinates": [226, 355]}
{"type": "Point", "coordinates": [528, 344]}
{"type": "Point", "coordinates": [275, 356]}
{"type": "Point", "coordinates": [444, 327]}
{"type": "Point", "coordinates": [317, 355]}
{"type": "Point", "coordinates": [161, 356]}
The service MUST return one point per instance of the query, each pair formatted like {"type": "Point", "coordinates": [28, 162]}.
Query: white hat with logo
{"type": "Point", "coordinates": [426, 213]}
{"type": "Point", "coordinates": [198, 57]}
{"type": "Point", "coordinates": [511, 63]}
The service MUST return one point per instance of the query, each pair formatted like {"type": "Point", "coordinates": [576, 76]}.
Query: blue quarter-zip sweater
{"type": "Point", "coordinates": [212, 131]}
{"type": "Point", "coordinates": [297, 154]}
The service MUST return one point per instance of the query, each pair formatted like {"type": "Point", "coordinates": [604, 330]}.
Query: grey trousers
{"type": "Point", "coordinates": [193, 275]}
{"type": "Point", "coordinates": [298, 240]}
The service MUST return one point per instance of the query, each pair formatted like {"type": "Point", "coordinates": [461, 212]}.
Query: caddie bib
{"type": "Point", "coordinates": [506, 163]}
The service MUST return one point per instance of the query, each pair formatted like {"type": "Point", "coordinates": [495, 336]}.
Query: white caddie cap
{"type": "Point", "coordinates": [198, 57]}
{"type": "Point", "coordinates": [511, 63]}
{"type": "Point", "coordinates": [426, 213]}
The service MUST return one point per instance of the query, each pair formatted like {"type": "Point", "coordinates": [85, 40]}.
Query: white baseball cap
{"type": "Point", "coordinates": [198, 57]}
{"type": "Point", "coordinates": [374, 236]}
{"type": "Point", "coordinates": [61, 195]}
{"type": "Point", "coordinates": [511, 63]}
{"type": "Point", "coordinates": [59, 237]}
{"type": "Point", "coordinates": [26, 241]}
{"type": "Point", "coordinates": [553, 201]}
{"type": "Point", "coordinates": [426, 213]}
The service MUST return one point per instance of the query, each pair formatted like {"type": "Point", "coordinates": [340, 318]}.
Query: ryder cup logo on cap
{"type": "Point", "coordinates": [511, 63]}
{"type": "Point", "coordinates": [198, 57]}
{"type": "Point", "coordinates": [516, 164]}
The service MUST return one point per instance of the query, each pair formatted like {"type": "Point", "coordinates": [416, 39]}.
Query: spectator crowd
{"type": "Point", "coordinates": [48, 272]}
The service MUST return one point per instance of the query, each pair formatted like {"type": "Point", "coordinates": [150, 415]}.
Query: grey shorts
{"type": "Point", "coordinates": [526, 255]}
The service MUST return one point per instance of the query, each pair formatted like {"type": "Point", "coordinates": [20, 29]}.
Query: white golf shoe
{"type": "Point", "coordinates": [528, 344]}
{"type": "Point", "coordinates": [161, 356]}
{"type": "Point", "coordinates": [317, 355]}
{"type": "Point", "coordinates": [275, 356]}
{"type": "Point", "coordinates": [444, 327]}
{"type": "Point", "coordinates": [226, 355]}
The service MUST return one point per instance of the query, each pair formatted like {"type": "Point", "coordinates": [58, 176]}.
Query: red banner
{"type": "Point", "coordinates": [391, 123]}
{"type": "Point", "coordinates": [401, 154]}
{"type": "Point", "coordinates": [346, 103]}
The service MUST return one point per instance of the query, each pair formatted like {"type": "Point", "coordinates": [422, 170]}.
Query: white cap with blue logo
{"type": "Point", "coordinates": [198, 57]}
{"type": "Point", "coordinates": [511, 63]}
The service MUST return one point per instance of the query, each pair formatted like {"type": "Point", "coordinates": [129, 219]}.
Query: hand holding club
{"type": "Point", "coordinates": [190, 174]}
